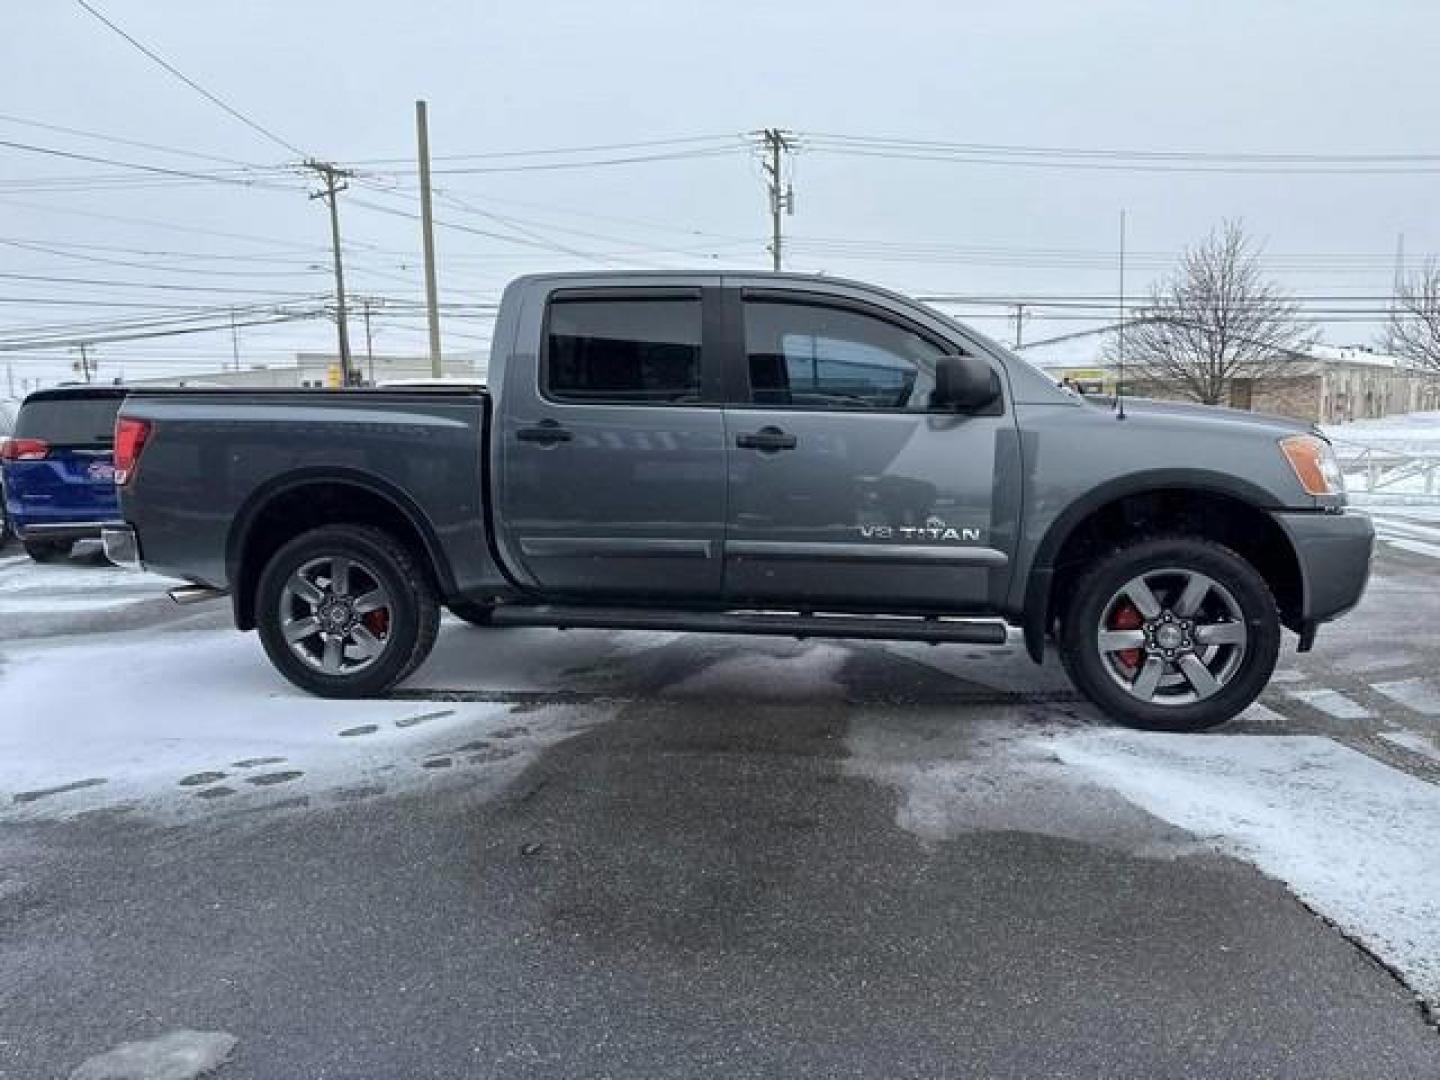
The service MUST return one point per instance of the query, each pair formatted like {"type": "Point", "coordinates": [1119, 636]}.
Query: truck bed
{"type": "Point", "coordinates": [216, 455]}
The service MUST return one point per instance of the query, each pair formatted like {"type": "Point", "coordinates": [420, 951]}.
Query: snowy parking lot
{"type": "Point", "coordinates": [656, 797]}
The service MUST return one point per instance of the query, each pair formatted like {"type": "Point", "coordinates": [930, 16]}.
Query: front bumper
{"type": "Point", "coordinates": [1334, 552]}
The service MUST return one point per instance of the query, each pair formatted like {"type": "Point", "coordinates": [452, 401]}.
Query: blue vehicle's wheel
{"type": "Point", "coordinates": [48, 551]}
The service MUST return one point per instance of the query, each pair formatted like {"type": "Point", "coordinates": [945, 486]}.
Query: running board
{"type": "Point", "coordinates": [789, 624]}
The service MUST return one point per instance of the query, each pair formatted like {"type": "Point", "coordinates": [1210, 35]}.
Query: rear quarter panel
{"type": "Point", "coordinates": [214, 458]}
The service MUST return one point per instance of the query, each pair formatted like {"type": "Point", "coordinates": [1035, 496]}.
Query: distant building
{"type": "Point", "coordinates": [1329, 384]}
{"type": "Point", "coordinates": [316, 371]}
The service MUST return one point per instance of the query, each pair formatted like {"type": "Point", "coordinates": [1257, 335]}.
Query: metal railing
{"type": "Point", "coordinates": [1388, 474]}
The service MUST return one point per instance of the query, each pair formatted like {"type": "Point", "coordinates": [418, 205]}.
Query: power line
{"type": "Point", "coordinates": [157, 58]}
{"type": "Point", "coordinates": [161, 170]}
{"type": "Point", "coordinates": [60, 128]}
{"type": "Point", "coordinates": [1111, 160]}
{"type": "Point", "coordinates": [105, 261]}
{"type": "Point", "coordinates": [558, 150]}
{"type": "Point", "coordinates": [637, 159]}
{"type": "Point", "coordinates": [153, 223]}
{"type": "Point", "coordinates": [63, 280]}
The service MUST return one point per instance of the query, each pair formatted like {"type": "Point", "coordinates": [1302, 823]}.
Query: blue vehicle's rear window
{"type": "Point", "coordinates": [70, 421]}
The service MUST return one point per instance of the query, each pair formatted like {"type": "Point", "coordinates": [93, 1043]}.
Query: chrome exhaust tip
{"type": "Point", "coordinates": [195, 594]}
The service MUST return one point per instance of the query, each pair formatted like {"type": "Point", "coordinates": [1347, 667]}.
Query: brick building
{"type": "Point", "coordinates": [1329, 384]}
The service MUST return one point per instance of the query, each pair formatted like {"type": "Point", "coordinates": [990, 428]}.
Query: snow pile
{"type": "Point", "coordinates": [179, 1055]}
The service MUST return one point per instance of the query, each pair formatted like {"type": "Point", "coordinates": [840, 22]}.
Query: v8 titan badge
{"type": "Point", "coordinates": [934, 529]}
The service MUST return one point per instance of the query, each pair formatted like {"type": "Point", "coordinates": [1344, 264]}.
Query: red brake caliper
{"type": "Point", "coordinates": [1127, 617]}
{"type": "Point", "coordinates": [377, 621]}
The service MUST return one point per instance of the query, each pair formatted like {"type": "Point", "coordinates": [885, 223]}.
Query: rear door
{"type": "Point", "coordinates": [611, 444]}
{"type": "Point", "coordinates": [68, 475]}
{"type": "Point", "coordinates": [845, 487]}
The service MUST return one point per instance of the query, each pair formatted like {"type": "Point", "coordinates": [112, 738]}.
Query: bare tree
{"type": "Point", "coordinates": [1214, 319]}
{"type": "Point", "coordinates": [1414, 331]}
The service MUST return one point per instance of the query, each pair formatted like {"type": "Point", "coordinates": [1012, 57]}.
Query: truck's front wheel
{"type": "Point", "coordinates": [345, 611]}
{"type": "Point", "coordinates": [1173, 634]}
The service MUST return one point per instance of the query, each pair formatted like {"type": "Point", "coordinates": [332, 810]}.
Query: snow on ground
{"type": "Point", "coordinates": [1405, 433]}
{"type": "Point", "coordinates": [1353, 838]}
{"type": "Point", "coordinates": [1414, 529]}
{"type": "Point", "coordinates": [80, 584]}
{"type": "Point", "coordinates": [166, 721]}
{"type": "Point", "coordinates": [994, 773]}
{"type": "Point", "coordinates": [1393, 440]}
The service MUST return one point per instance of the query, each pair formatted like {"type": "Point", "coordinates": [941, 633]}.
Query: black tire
{"type": "Point", "coordinates": [1099, 676]}
{"type": "Point", "coordinates": [48, 551]}
{"type": "Point", "coordinates": [412, 612]}
{"type": "Point", "coordinates": [471, 612]}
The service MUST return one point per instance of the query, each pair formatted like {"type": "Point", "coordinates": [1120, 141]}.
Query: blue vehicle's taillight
{"type": "Point", "coordinates": [13, 449]}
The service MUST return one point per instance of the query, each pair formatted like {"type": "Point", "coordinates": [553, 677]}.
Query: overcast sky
{"type": "Point", "coordinates": [338, 81]}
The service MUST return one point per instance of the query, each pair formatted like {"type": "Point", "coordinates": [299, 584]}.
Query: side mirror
{"type": "Point", "coordinates": [964, 384]}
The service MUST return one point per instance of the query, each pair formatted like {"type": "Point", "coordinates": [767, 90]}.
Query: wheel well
{"type": "Point", "coordinates": [1248, 531]}
{"type": "Point", "coordinates": [295, 510]}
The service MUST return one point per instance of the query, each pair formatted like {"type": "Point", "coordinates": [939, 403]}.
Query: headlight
{"type": "Point", "coordinates": [1315, 464]}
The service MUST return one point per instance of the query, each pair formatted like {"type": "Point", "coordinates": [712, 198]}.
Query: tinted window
{"type": "Point", "coordinates": [807, 356]}
{"type": "Point", "coordinates": [70, 421]}
{"type": "Point", "coordinates": [626, 351]}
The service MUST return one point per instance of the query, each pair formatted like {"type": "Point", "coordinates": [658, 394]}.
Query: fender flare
{"type": "Point", "coordinates": [258, 500]}
{"type": "Point", "coordinates": [1035, 617]}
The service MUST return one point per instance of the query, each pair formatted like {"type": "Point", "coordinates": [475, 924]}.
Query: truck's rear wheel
{"type": "Point", "coordinates": [1171, 634]}
{"type": "Point", "coordinates": [345, 611]}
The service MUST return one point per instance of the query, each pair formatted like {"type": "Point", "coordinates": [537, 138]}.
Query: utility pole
{"type": "Point", "coordinates": [332, 177]}
{"type": "Point", "coordinates": [427, 228]}
{"type": "Point", "coordinates": [10, 380]}
{"type": "Point", "coordinates": [1019, 323]}
{"type": "Point", "coordinates": [369, 345]}
{"type": "Point", "coordinates": [776, 142]}
{"type": "Point", "coordinates": [234, 339]}
{"type": "Point", "coordinates": [85, 370]}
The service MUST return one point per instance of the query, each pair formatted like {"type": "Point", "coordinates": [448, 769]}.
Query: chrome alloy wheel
{"type": "Point", "coordinates": [1172, 637]}
{"type": "Point", "coordinates": [335, 615]}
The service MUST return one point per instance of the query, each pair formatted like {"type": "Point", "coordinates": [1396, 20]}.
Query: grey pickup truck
{"type": "Point", "coordinates": [749, 454]}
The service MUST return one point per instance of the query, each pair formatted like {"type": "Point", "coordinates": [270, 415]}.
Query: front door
{"type": "Point", "coordinates": [845, 487]}
{"type": "Point", "coordinates": [613, 455]}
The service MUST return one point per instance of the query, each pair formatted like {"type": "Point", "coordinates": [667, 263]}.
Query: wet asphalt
{"type": "Point", "coordinates": [698, 887]}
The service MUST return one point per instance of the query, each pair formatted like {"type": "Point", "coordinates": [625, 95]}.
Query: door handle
{"type": "Point", "coordinates": [546, 433]}
{"type": "Point", "coordinates": [767, 440]}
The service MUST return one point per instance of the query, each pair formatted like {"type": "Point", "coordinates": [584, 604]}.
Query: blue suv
{"type": "Point", "coordinates": [57, 469]}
